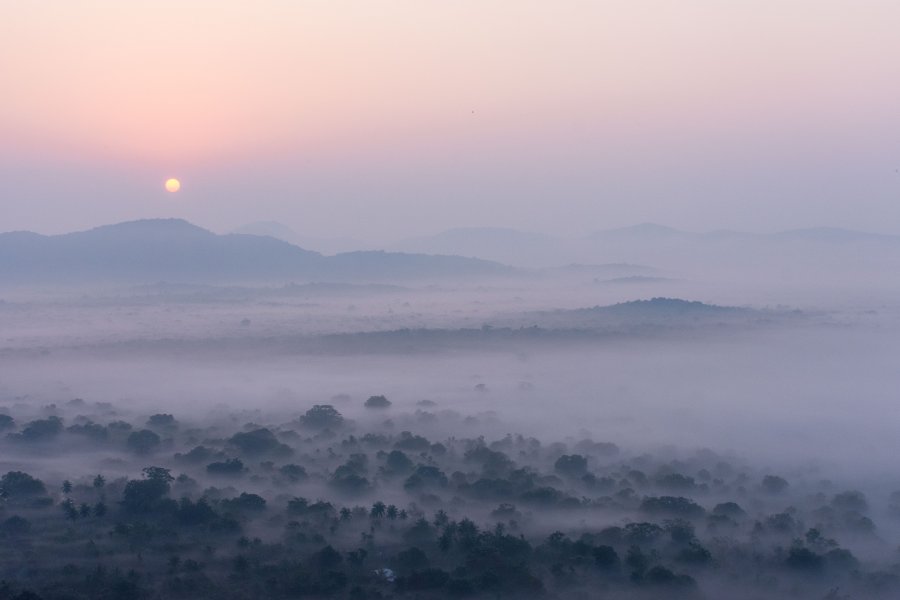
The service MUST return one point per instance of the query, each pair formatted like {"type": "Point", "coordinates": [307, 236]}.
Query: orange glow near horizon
{"type": "Point", "coordinates": [228, 78]}
{"type": "Point", "coordinates": [459, 112]}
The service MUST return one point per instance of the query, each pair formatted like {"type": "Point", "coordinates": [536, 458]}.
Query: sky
{"type": "Point", "coordinates": [379, 120]}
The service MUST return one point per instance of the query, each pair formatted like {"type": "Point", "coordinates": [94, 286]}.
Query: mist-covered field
{"type": "Point", "coordinates": [550, 433]}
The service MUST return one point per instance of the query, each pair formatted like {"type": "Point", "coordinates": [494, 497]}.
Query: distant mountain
{"type": "Point", "coordinates": [786, 255]}
{"type": "Point", "coordinates": [604, 272]}
{"type": "Point", "coordinates": [821, 252]}
{"type": "Point", "coordinates": [647, 231]}
{"type": "Point", "coordinates": [274, 229]}
{"type": "Point", "coordinates": [175, 250]}
{"type": "Point", "coordinates": [289, 289]}
{"type": "Point", "coordinates": [643, 230]}
{"type": "Point", "coordinates": [834, 235]}
{"type": "Point", "coordinates": [634, 279]}
{"type": "Point", "coordinates": [285, 233]}
{"type": "Point", "coordinates": [508, 246]}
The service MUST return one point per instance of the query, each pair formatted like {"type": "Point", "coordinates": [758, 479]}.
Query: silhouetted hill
{"type": "Point", "coordinates": [175, 250]}
{"type": "Point", "coordinates": [626, 320]}
{"type": "Point", "coordinates": [674, 307]}
{"type": "Point", "coordinates": [643, 315]}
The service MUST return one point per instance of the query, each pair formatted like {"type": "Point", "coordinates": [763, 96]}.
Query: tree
{"type": "Point", "coordinates": [674, 506]}
{"type": "Point", "coordinates": [195, 513]}
{"type": "Point", "coordinates": [421, 532]}
{"type": "Point", "coordinates": [357, 557]}
{"type": "Point", "coordinates": [69, 509]}
{"type": "Point", "coordinates": [441, 519]}
{"type": "Point", "coordinates": [662, 576]}
{"type": "Point", "coordinates": [327, 558]}
{"type": "Point", "coordinates": [93, 431]}
{"type": "Point", "coordinates": [294, 472]}
{"type": "Point", "coordinates": [15, 526]}
{"type": "Point", "coordinates": [637, 561]}
{"type": "Point", "coordinates": [729, 509]}
{"type": "Point", "coordinates": [377, 402]}
{"type": "Point", "coordinates": [413, 443]}
{"type": "Point", "coordinates": [322, 416]}
{"type": "Point", "coordinates": [17, 484]}
{"type": "Point", "coordinates": [6, 422]}
{"type": "Point", "coordinates": [605, 557]}
{"type": "Point", "coordinates": [675, 482]}
{"type": "Point", "coordinates": [424, 477]}
{"type": "Point", "coordinates": [642, 533]}
{"type": "Point", "coordinates": [774, 484]}
{"type": "Point", "coordinates": [158, 473]}
{"type": "Point", "coordinates": [851, 501]}
{"type": "Point", "coordinates": [162, 421]}
{"type": "Point", "coordinates": [232, 467]}
{"type": "Point", "coordinates": [398, 462]}
{"type": "Point", "coordinates": [66, 487]}
{"type": "Point", "coordinates": [41, 430]}
{"type": "Point", "coordinates": [245, 503]}
{"type": "Point", "coordinates": [143, 441]}
{"type": "Point", "coordinates": [411, 559]}
{"type": "Point", "coordinates": [145, 495]}
{"type": "Point", "coordinates": [573, 465]}
{"type": "Point", "coordinates": [804, 559]}
{"type": "Point", "coordinates": [259, 442]}
{"type": "Point", "coordinates": [695, 553]}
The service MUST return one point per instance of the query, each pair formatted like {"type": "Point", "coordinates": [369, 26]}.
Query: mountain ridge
{"type": "Point", "coordinates": [175, 249]}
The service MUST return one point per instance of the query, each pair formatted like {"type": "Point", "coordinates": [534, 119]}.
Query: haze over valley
{"type": "Point", "coordinates": [414, 301]}
{"type": "Point", "coordinates": [670, 371]}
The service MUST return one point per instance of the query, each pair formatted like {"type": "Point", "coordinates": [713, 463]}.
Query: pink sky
{"type": "Point", "coordinates": [384, 119]}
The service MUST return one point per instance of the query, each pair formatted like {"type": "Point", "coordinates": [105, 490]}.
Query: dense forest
{"type": "Point", "coordinates": [315, 505]}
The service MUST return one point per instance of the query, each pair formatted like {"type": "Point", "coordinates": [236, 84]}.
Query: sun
{"type": "Point", "coordinates": [172, 185]}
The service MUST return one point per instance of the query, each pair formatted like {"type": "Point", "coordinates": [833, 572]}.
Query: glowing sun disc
{"type": "Point", "coordinates": [173, 185]}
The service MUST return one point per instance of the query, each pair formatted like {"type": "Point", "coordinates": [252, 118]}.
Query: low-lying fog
{"type": "Point", "coordinates": [812, 389]}
{"type": "Point", "coordinates": [804, 391]}
{"type": "Point", "coordinates": [820, 395]}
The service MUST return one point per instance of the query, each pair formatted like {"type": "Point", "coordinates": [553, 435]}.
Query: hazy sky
{"type": "Point", "coordinates": [380, 119]}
